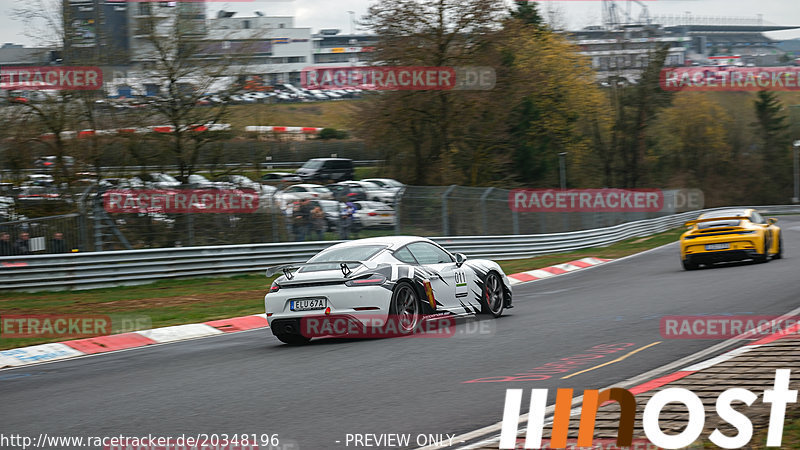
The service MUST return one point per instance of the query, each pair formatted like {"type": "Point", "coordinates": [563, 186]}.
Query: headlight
{"type": "Point", "coordinates": [375, 279]}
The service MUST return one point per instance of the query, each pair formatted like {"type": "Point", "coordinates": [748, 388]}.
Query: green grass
{"type": "Point", "coordinates": [336, 114]}
{"type": "Point", "coordinates": [177, 302]}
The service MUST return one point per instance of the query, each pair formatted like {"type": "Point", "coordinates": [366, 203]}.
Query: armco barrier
{"type": "Point", "coordinates": [131, 267]}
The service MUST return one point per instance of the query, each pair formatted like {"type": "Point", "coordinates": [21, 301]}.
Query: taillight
{"type": "Point", "coordinates": [274, 288]}
{"type": "Point", "coordinates": [372, 213]}
{"type": "Point", "coordinates": [371, 280]}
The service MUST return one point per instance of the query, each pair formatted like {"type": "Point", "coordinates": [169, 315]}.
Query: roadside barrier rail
{"type": "Point", "coordinates": [131, 267]}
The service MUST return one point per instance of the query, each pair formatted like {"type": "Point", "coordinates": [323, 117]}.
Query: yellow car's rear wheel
{"type": "Point", "coordinates": [688, 265]}
{"type": "Point", "coordinates": [779, 255]}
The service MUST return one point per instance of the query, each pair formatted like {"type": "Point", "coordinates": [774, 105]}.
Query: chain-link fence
{"type": "Point", "coordinates": [54, 234]}
{"type": "Point", "coordinates": [472, 211]}
{"type": "Point", "coordinates": [419, 210]}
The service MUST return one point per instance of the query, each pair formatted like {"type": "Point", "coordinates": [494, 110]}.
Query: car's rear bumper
{"type": "Point", "coordinates": [368, 301]}
{"type": "Point", "coordinates": [722, 256]}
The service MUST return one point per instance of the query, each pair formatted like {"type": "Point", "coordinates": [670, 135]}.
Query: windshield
{"type": "Point", "coordinates": [312, 164]}
{"type": "Point", "coordinates": [354, 253]}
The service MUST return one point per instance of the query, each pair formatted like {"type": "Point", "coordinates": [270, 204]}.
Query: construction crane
{"type": "Point", "coordinates": [611, 14]}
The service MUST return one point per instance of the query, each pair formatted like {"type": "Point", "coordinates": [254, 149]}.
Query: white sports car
{"type": "Point", "coordinates": [393, 284]}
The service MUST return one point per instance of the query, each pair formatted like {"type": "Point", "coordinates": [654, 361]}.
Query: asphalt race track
{"type": "Point", "coordinates": [314, 396]}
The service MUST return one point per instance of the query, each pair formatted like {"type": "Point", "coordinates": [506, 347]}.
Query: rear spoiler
{"type": "Point", "coordinates": [288, 269]}
{"type": "Point", "coordinates": [714, 219]}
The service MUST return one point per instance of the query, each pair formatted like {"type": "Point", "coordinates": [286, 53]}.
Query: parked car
{"type": "Point", "coordinates": [158, 180]}
{"type": "Point", "coordinates": [300, 191]}
{"type": "Point", "coordinates": [200, 182]}
{"type": "Point", "coordinates": [237, 182]}
{"type": "Point", "coordinates": [327, 169]}
{"type": "Point", "coordinates": [375, 214]}
{"type": "Point", "coordinates": [377, 193]}
{"type": "Point", "coordinates": [386, 183]}
{"type": "Point", "coordinates": [280, 178]}
{"type": "Point", "coordinates": [347, 191]}
{"type": "Point", "coordinates": [49, 162]}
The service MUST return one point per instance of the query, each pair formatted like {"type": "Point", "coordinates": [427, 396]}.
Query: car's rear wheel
{"type": "Point", "coordinates": [763, 257]}
{"type": "Point", "coordinates": [687, 265]}
{"type": "Point", "coordinates": [293, 339]}
{"type": "Point", "coordinates": [405, 308]}
{"type": "Point", "coordinates": [493, 298]}
{"type": "Point", "coordinates": [779, 255]}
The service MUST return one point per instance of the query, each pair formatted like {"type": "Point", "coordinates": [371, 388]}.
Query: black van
{"type": "Point", "coordinates": [326, 169]}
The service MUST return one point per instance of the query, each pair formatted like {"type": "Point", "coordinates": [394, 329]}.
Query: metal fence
{"type": "Point", "coordinates": [472, 211]}
{"type": "Point", "coordinates": [420, 210]}
{"type": "Point", "coordinates": [103, 269]}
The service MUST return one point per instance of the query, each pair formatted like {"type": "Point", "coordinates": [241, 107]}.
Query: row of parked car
{"type": "Point", "coordinates": [283, 93]}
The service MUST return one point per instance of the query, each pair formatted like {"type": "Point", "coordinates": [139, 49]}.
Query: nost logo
{"type": "Point", "coordinates": [778, 397]}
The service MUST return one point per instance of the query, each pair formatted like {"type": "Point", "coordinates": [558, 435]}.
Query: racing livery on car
{"type": "Point", "coordinates": [405, 280]}
{"type": "Point", "coordinates": [730, 235]}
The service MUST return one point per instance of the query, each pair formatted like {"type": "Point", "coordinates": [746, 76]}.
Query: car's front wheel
{"type": "Point", "coordinates": [493, 299]}
{"type": "Point", "coordinates": [405, 309]}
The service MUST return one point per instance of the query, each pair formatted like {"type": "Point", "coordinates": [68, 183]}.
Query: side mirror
{"type": "Point", "coordinates": [460, 259]}
{"type": "Point", "coordinates": [772, 220]}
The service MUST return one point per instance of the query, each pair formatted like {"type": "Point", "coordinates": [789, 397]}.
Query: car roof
{"type": "Point", "coordinates": [392, 242]}
{"type": "Point", "coordinates": [733, 212]}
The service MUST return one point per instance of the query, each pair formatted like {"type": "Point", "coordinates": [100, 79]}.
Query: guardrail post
{"type": "Point", "coordinates": [483, 210]}
{"type": "Point", "coordinates": [445, 217]}
{"type": "Point", "coordinates": [398, 199]}
{"type": "Point", "coordinates": [515, 222]}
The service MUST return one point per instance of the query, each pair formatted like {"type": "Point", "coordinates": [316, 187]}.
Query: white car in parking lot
{"type": "Point", "coordinates": [301, 191]}
{"type": "Point", "coordinates": [371, 214]}
{"type": "Point", "coordinates": [381, 287]}
{"type": "Point", "coordinates": [377, 193]}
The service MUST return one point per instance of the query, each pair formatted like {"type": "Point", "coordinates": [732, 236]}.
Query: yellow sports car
{"type": "Point", "coordinates": [730, 235]}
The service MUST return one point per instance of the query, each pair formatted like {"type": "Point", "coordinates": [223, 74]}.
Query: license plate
{"type": "Point", "coordinates": [308, 304]}
{"type": "Point", "coordinates": [386, 215]}
{"type": "Point", "coordinates": [717, 246]}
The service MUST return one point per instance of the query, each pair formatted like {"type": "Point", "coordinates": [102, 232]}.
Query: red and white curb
{"type": "Point", "coordinates": [558, 269]}
{"type": "Point", "coordinates": [81, 347]}
{"type": "Point", "coordinates": [666, 379]}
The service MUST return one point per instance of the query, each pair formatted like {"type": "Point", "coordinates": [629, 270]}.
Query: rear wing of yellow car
{"type": "Point", "coordinates": [714, 219]}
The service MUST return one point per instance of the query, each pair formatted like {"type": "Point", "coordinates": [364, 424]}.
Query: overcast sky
{"type": "Point", "coordinates": [576, 13]}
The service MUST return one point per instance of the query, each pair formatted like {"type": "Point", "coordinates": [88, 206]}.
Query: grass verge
{"type": "Point", "coordinates": [176, 302]}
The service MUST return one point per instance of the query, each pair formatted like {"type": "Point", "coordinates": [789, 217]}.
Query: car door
{"type": "Point", "coordinates": [449, 283]}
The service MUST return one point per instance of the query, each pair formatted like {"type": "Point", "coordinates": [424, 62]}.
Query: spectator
{"type": "Point", "coordinates": [318, 223]}
{"type": "Point", "coordinates": [23, 245]}
{"type": "Point", "coordinates": [302, 219]}
{"type": "Point", "coordinates": [58, 244]}
{"type": "Point", "coordinates": [6, 248]}
{"type": "Point", "coordinates": [287, 211]}
{"type": "Point", "coordinates": [346, 222]}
